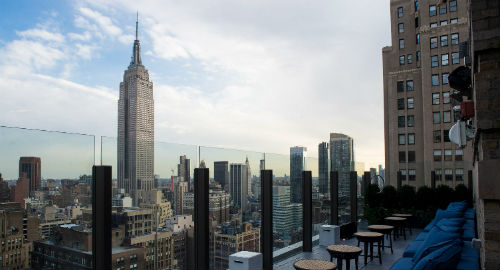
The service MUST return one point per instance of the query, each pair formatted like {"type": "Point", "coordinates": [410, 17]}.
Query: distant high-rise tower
{"type": "Point", "coordinates": [238, 185]}
{"type": "Point", "coordinates": [31, 167]}
{"type": "Point", "coordinates": [342, 159]}
{"type": "Point", "coordinates": [324, 184]}
{"type": "Point", "coordinates": [183, 170]}
{"type": "Point", "coordinates": [249, 176]}
{"type": "Point", "coordinates": [297, 165]}
{"type": "Point", "coordinates": [136, 127]}
{"type": "Point", "coordinates": [221, 173]}
{"type": "Point", "coordinates": [262, 164]}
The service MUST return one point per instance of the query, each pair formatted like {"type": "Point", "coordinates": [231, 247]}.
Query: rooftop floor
{"type": "Point", "coordinates": [388, 259]}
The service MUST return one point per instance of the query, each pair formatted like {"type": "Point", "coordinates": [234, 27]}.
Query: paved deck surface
{"type": "Point", "coordinates": [388, 259]}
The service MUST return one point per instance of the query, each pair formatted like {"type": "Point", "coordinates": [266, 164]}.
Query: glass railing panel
{"type": "Point", "coordinates": [47, 176]}
{"type": "Point", "coordinates": [235, 208]}
{"type": "Point", "coordinates": [320, 194]}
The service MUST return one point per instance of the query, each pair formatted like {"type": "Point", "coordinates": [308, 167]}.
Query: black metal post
{"type": "Point", "coordinates": [433, 179]}
{"type": "Point", "coordinates": [353, 190]}
{"type": "Point", "coordinates": [366, 182]}
{"type": "Point", "coordinates": [307, 211]}
{"type": "Point", "coordinates": [399, 180]}
{"type": "Point", "coordinates": [201, 225]}
{"type": "Point", "coordinates": [334, 198]}
{"type": "Point", "coordinates": [101, 217]}
{"type": "Point", "coordinates": [266, 230]}
{"type": "Point", "coordinates": [469, 180]}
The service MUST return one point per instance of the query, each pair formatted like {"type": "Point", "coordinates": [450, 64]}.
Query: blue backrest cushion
{"type": "Point", "coordinates": [435, 240]}
{"type": "Point", "coordinates": [457, 206]}
{"type": "Point", "coordinates": [440, 214]}
{"type": "Point", "coordinates": [446, 257]}
{"type": "Point", "coordinates": [451, 224]}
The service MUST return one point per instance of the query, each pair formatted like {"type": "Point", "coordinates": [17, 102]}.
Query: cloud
{"type": "Point", "coordinates": [41, 34]}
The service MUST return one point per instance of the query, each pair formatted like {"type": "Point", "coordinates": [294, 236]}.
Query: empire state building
{"type": "Point", "coordinates": [136, 128]}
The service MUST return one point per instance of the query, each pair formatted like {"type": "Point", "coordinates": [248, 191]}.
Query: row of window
{"type": "Point", "coordinates": [436, 117]}
{"type": "Point", "coordinates": [433, 9]}
{"type": "Point", "coordinates": [402, 139]}
{"type": "Point", "coordinates": [402, 157]}
{"type": "Point", "coordinates": [437, 138]}
{"type": "Point", "coordinates": [412, 174]}
{"type": "Point", "coordinates": [436, 98]}
{"type": "Point", "coordinates": [448, 155]}
{"type": "Point", "coordinates": [410, 121]}
{"type": "Point", "coordinates": [410, 58]}
{"type": "Point", "coordinates": [448, 174]}
{"type": "Point", "coordinates": [410, 103]}
{"type": "Point", "coordinates": [435, 79]}
{"type": "Point", "coordinates": [445, 59]}
{"type": "Point", "coordinates": [401, 86]}
{"type": "Point", "coordinates": [443, 41]}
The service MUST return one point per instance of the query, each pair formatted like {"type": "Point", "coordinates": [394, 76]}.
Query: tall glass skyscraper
{"type": "Point", "coordinates": [297, 165]}
{"type": "Point", "coordinates": [342, 161]}
{"type": "Point", "coordinates": [324, 184]}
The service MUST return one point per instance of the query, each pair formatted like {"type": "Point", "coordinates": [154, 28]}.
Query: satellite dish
{"type": "Point", "coordinates": [459, 133]}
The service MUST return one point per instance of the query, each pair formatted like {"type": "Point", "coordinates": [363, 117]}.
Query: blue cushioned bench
{"type": "Point", "coordinates": [445, 242]}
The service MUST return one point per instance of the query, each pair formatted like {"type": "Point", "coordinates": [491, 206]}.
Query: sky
{"type": "Point", "coordinates": [254, 75]}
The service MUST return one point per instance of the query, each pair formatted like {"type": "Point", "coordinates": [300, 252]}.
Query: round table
{"type": "Point", "coordinates": [409, 221]}
{"type": "Point", "coordinates": [344, 252]}
{"type": "Point", "coordinates": [314, 265]}
{"type": "Point", "coordinates": [399, 225]}
{"type": "Point", "coordinates": [368, 238]}
{"type": "Point", "coordinates": [383, 229]}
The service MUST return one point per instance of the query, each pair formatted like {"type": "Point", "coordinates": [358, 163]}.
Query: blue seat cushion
{"type": "Point", "coordinates": [469, 224]}
{"type": "Point", "coordinates": [446, 257]}
{"type": "Point", "coordinates": [402, 264]}
{"type": "Point", "coordinates": [436, 239]}
{"type": "Point", "coordinates": [469, 213]}
{"type": "Point", "coordinates": [469, 252]}
{"type": "Point", "coordinates": [467, 263]}
{"type": "Point", "coordinates": [421, 236]}
{"type": "Point", "coordinates": [468, 234]}
{"type": "Point", "coordinates": [412, 249]}
{"type": "Point", "coordinates": [429, 226]}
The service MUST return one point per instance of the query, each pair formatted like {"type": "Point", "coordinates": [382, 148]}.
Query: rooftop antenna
{"type": "Point", "coordinates": [137, 27]}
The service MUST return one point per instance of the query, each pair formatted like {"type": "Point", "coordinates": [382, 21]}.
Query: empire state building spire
{"type": "Point", "coordinates": [136, 53]}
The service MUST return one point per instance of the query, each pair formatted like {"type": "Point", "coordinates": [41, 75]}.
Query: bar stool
{"type": "Point", "coordinates": [386, 230]}
{"type": "Point", "coordinates": [344, 252]}
{"type": "Point", "coordinates": [399, 225]}
{"type": "Point", "coordinates": [409, 221]}
{"type": "Point", "coordinates": [314, 265]}
{"type": "Point", "coordinates": [368, 238]}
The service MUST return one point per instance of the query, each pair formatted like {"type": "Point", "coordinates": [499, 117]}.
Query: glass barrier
{"type": "Point", "coordinates": [235, 208]}
{"type": "Point", "coordinates": [320, 193]}
{"type": "Point", "coordinates": [47, 176]}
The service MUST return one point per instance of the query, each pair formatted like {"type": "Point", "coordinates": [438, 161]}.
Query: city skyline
{"type": "Point", "coordinates": [85, 32]}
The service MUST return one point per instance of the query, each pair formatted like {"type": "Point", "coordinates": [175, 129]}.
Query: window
{"type": "Point", "coordinates": [400, 12]}
{"type": "Point", "coordinates": [441, 23]}
{"type": "Point", "coordinates": [436, 117]}
{"type": "Point", "coordinates": [403, 174]}
{"type": "Point", "coordinates": [444, 59]}
{"type": "Point", "coordinates": [434, 61]}
{"type": "Point", "coordinates": [434, 42]}
{"type": "Point", "coordinates": [411, 138]}
{"type": "Point", "coordinates": [409, 85]}
{"type": "Point", "coordinates": [401, 60]}
{"type": "Point", "coordinates": [439, 175]}
{"type": "Point", "coordinates": [448, 155]}
{"type": "Point", "coordinates": [446, 116]}
{"type": "Point", "coordinates": [416, 5]}
{"type": "Point", "coordinates": [443, 9]}
{"type": "Point", "coordinates": [453, 6]}
{"type": "Point", "coordinates": [401, 43]}
{"type": "Point", "coordinates": [444, 78]}
{"type": "Point", "coordinates": [454, 20]}
{"type": "Point", "coordinates": [401, 28]}
{"type": "Point", "coordinates": [459, 174]}
{"type": "Point", "coordinates": [435, 79]}
{"type": "Point", "coordinates": [416, 22]}
{"type": "Point", "coordinates": [434, 24]}
{"type": "Point", "coordinates": [411, 156]}
{"type": "Point", "coordinates": [446, 135]}
{"type": "Point", "coordinates": [459, 155]}
{"type": "Point", "coordinates": [410, 58]}
{"type": "Point", "coordinates": [448, 174]}
{"type": "Point", "coordinates": [435, 98]}
{"type": "Point", "coordinates": [402, 156]}
{"type": "Point", "coordinates": [446, 97]}
{"type": "Point", "coordinates": [410, 103]}
{"type": "Point", "coordinates": [436, 135]}
{"type": "Point", "coordinates": [401, 104]}
{"type": "Point", "coordinates": [412, 175]}
{"type": "Point", "coordinates": [432, 10]}
{"type": "Point", "coordinates": [401, 86]}
{"type": "Point", "coordinates": [444, 41]}
{"type": "Point", "coordinates": [401, 139]}
{"type": "Point", "coordinates": [437, 155]}
{"type": "Point", "coordinates": [418, 39]}
{"type": "Point", "coordinates": [401, 121]}
{"type": "Point", "coordinates": [455, 58]}
{"type": "Point", "coordinates": [411, 120]}
{"type": "Point", "coordinates": [454, 39]}
{"type": "Point", "coordinates": [418, 55]}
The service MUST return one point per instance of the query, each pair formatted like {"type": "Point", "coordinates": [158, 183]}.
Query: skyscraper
{"type": "Point", "coordinates": [418, 110]}
{"type": "Point", "coordinates": [297, 165]}
{"type": "Point", "coordinates": [342, 160]}
{"type": "Point", "coordinates": [31, 168]}
{"type": "Point", "coordinates": [249, 176]}
{"type": "Point", "coordinates": [324, 184]}
{"type": "Point", "coordinates": [136, 127]}
{"type": "Point", "coordinates": [238, 185]}
{"type": "Point", "coordinates": [183, 170]}
{"type": "Point", "coordinates": [221, 173]}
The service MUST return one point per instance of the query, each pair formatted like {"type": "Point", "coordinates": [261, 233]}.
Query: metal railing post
{"type": "Point", "coordinates": [101, 217]}
{"type": "Point", "coordinates": [306, 211]}
{"type": "Point", "coordinates": [266, 230]}
{"type": "Point", "coordinates": [334, 197]}
{"type": "Point", "coordinates": [201, 225]}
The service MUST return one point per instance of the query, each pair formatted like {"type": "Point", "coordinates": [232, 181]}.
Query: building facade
{"type": "Point", "coordinates": [323, 172]}
{"type": "Point", "coordinates": [229, 240]}
{"type": "Point", "coordinates": [238, 185]}
{"type": "Point", "coordinates": [221, 174]}
{"type": "Point", "coordinates": [297, 165]}
{"type": "Point", "coordinates": [183, 170]}
{"type": "Point", "coordinates": [31, 168]}
{"type": "Point", "coordinates": [136, 127]}
{"type": "Point", "coordinates": [418, 109]}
